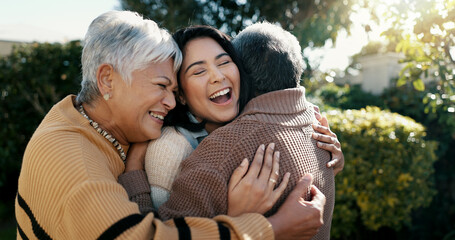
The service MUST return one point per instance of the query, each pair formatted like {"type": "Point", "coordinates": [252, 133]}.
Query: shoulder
{"type": "Point", "coordinates": [223, 147]}
{"type": "Point", "coordinates": [170, 139]}
{"type": "Point", "coordinates": [167, 151]}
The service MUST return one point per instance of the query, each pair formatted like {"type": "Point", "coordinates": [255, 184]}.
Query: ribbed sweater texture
{"type": "Point", "coordinates": [68, 190]}
{"type": "Point", "coordinates": [283, 117]}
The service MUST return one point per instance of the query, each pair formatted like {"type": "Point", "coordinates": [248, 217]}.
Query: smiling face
{"type": "Point", "coordinates": [142, 106]}
{"type": "Point", "coordinates": [210, 81]}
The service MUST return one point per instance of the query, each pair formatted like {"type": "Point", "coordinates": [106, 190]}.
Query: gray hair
{"type": "Point", "coordinates": [126, 41]}
{"type": "Point", "coordinates": [271, 56]}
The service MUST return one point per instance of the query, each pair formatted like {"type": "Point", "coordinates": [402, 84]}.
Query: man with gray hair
{"type": "Point", "coordinates": [280, 114]}
{"type": "Point", "coordinates": [273, 59]}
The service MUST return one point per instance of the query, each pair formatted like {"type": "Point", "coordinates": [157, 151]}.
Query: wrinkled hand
{"type": "Point", "coordinates": [136, 156]}
{"type": "Point", "coordinates": [254, 192]}
{"type": "Point", "coordinates": [329, 141]}
{"type": "Point", "coordinates": [297, 218]}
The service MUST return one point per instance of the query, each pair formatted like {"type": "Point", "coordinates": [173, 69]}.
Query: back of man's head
{"type": "Point", "coordinates": [271, 56]}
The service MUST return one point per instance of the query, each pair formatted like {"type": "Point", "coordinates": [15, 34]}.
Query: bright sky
{"type": "Point", "coordinates": [64, 20]}
{"type": "Point", "coordinates": [49, 20]}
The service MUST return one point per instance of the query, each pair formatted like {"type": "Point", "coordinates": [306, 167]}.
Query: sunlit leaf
{"type": "Point", "coordinates": [418, 84]}
{"type": "Point", "coordinates": [401, 81]}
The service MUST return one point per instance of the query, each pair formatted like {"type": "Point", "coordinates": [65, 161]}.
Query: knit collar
{"type": "Point", "coordinates": [287, 101]}
{"type": "Point", "coordinates": [194, 138]}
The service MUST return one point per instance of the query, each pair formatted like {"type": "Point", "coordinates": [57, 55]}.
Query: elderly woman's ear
{"type": "Point", "coordinates": [104, 78]}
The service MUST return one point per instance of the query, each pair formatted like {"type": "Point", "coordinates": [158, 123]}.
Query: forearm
{"type": "Point", "coordinates": [112, 216]}
{"type": "Point", "coordinates": [138, 189]}
{"type": "Point", "coordinates": [197, 191]}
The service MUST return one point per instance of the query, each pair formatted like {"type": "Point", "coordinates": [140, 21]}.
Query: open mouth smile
{"type": "Point", "coordinates": [221, 96]}
{"type": "Point", "coordinates": [157, 116]}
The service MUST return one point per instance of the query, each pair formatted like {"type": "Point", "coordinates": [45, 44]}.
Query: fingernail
{"type": "Point", "coordinates": [244, 162]}
{"type": "Point", "coordinates": [307, 177]}
{"type": "Point", "coordinates": [277, 155]}
{"type": "Point", "coordinates": [272, 146]}
{"type": "Point", "coordinates": [318, 116]}
{"type": "Point", "coordinates": [262, 146]}
{"type": "Point", "coordinates": [314, 135]}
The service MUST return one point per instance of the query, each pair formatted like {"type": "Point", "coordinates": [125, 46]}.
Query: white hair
{"type": "Point", "coordinates": [126, 41]}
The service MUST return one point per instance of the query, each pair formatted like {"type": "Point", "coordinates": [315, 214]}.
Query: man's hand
{"type": "Point", "coordinates": [297, 218]}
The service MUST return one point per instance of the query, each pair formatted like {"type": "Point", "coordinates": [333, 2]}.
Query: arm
{"type": "Point", "coordinates": [198, 190]}
{"type": "Point", "coordinates": [134, 179]}
{"type": "Point", "coordinates": [150, 189]}
{"type": "Point", "coordinates": [110, 210]}
{"type": "Point", "coordinates": [84, 201]}
{"type": "Point", "coordinates": [162, 162]}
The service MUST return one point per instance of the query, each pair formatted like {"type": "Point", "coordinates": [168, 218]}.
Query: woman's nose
{"type": "Point", "coordinates": [216, 76]}
{"type": "Point", "coordinates": [169, 101]}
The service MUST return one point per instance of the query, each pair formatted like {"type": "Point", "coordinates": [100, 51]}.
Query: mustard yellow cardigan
{"type": "Point", "coordinates": [68, 190]}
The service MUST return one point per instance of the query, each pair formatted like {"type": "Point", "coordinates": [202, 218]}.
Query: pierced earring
{"type": "Point", "coordinates": [106, 96]}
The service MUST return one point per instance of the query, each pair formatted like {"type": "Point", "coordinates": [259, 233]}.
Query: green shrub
{"type": "Point", "coordinates": [435, 112]}
{"type": "Point", "coordinates": [32, 79]}
{"type": "Point", "coordinates": [346, 97]}
{"type": "Point", "coordinates": [388, 171]}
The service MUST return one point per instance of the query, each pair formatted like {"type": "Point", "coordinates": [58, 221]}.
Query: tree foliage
{"type": "Point", "coordinates": [428, 46]}
{"type": "Point", "coordinates": [33, 78]}
{"type": "Point", "coordinates": [312, 21]}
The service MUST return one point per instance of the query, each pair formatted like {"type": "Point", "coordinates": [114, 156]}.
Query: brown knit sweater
{"type": "Point", "coordinates": [283, 117]}
{"type": "Point", "coordinates": [68, 190]}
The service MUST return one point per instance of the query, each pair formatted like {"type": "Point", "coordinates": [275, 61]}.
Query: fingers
{"type": "Point", "coordinates": [323, 129]}
{"type": "Point", "coordinates": [280, 189]}
{"type": "Point", "coordinates": [322, 119]}
{"type": "Point", "coordinates": [301, 187]}
{"type": "Point", "coordinates": [329, 147]}
{"type": "Point", "coordinates": [317, 196]}
{"type": "Point", "coordinates": [327, 138]}
{"type": "Point", "coordinates": [256, 165]}
{"type": "Point", "coordinates": [333, 162]}
{"type": "Point", "coordinates": [238, 174]}
{"type": "Point", "coordinates": [268, 163]}
{"type": "Point", "coordinates": [274, 174]}
{"type": "Point", "coordinates": [135, 158]}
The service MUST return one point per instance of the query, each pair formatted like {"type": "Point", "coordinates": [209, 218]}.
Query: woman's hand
{"type": "Point", "coordinates": [297, 218]}
{"type": "Point", "coordinates": [328, 140]}
{"type": "Point", "coordinates": [136, 156]}
{"type": "Point", "coordinates": [254, 192]}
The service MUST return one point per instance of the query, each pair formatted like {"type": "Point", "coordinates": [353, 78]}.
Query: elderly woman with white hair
{"type": "Point", "coordinates": [68, 185]}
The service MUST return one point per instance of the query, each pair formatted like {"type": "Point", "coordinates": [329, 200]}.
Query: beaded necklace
{"type": "Point", "coordinates": [101, 131]}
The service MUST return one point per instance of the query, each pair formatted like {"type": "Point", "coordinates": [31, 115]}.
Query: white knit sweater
{"type": "Point", "coordinates": [162, 163]}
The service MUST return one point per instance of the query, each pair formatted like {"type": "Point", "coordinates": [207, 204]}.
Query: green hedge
{"type": "Point", "coordinates": [388, 171]}
{"type": "Point", "coordinates": [32, 79]}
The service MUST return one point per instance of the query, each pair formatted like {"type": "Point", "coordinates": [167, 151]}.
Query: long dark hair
{"type": "Point", "coordinates": [178, 116]}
